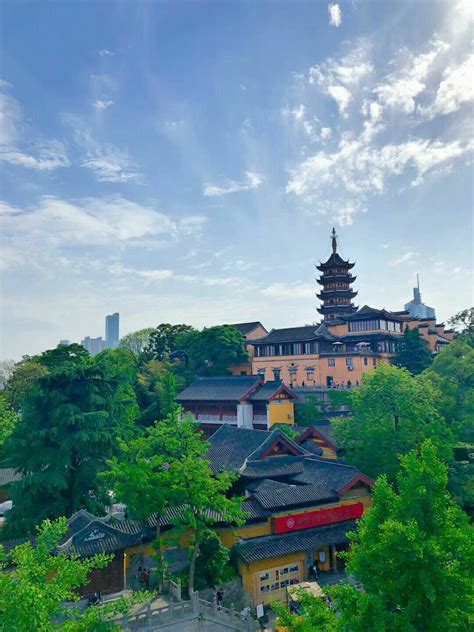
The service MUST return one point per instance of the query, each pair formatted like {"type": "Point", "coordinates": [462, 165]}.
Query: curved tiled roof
{"type": "Point", "coordinates": [289, 334]}
{"type": "Point", "coordinates": [273, 495]}
{"type": "Point", "coordinates": [283, 466]}
{"type": "Point", "coordinates": [271, 546]}
{"type": "Point", "coordinates": [226, 388]}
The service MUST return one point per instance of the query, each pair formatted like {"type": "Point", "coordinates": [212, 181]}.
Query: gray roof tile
{"type": "Point", "coordinates": [219, 388]}
{"type": "Point", "coordinates": [267, 547]}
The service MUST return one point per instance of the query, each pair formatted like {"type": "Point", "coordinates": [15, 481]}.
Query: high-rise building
{"type": "Point", "coordinates": [415, 307]}
{"type": "Point", "coordinates": [94, 345]}
{"type": "Point", "coordinates": [64, 342]}
{"type": "Point", "coordinates": [336, 279]}
{"type": "Point", "coordinates": [112, 336]}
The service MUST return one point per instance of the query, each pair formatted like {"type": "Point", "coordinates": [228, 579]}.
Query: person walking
{"type": "Point", "coordinates": [220, 597]}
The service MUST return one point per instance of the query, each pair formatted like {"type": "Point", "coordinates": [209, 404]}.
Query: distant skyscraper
{"type": "Point", "coordinates": [64, 342]}
{"type": "Point", "coordinates": [112, 330]}
{"type": "Point", "coordinates": [94, 345]}
{"type": "Point", "coordinates": [416, 307]}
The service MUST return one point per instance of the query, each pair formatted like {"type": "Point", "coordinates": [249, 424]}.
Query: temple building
{"type": "Point", "coordinates": [348, 342]}
{"type": "Point", "coordinates": [336, 279]}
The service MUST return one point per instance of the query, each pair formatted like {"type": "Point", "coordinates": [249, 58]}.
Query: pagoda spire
{"type": "Point", "coordinates": [336, 279]}
{"type": "Point", "coordinates": [334, 240]}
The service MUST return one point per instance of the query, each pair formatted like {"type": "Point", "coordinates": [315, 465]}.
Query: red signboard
{"type": "Point", "coordinates": [309, 519]}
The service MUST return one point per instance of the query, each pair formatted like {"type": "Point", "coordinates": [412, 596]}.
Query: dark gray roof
{"type": "Point", "coordinates": [246, 328]}
{"type": "Point", "coordinates": [334, 474]}
{"type": "Point", "coordinates": [268, 390]}
{"type": "Point", "coordinates": [369, 312]}
{"type": "Point", "coordinates": [312, 447]}
{"type": "Point", "coordinates": [8, 475]}
{"type": "Point", "coordinates": [273, 495]}
{"type": "Point", "coordinates": [271, 546]}
{"type": "Point", "coordinates": [326, 429]}
{"type": "Point", "coordinates": [255, 511]}
{"type": "Point", "coordinates": [272, 436]}
{"type": "Point", "coordinates": [335, 260]}
{"type": "Point", "coordinates": [230, 446]}
{"type": "Point", "coordinates": [282, 466]}
{"type": "Point", "coordinates": [290, 334]}
{"type": "Point", "coordinates": [219, 388]}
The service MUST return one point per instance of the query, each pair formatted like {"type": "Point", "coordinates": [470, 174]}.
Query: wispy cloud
{"type": "Point", "coordinates": [88, 222]}
{"type": "Point", "coordinates": [251, 181]}
{"type": "Point", "coordinates": [340, 77]}
{"type": "Point", "coordinates": [101, 105]}
{"type": "Point", "coordinates": [105, 52]}
{"type": "Point", "coordinates": [335, 15]}
{"type": "Point", "coordinates": [33, 153]}
{"type": "Point", "coordinates": [399, 89]}
{"type": "Point", "coordinates": [289, 291]}
{"type": "Point", "coordinates": [108, 163]}
{"type": "Point", "coordinates": [404, 258]}
{"type": "Point", "coordinates": [455, 89]}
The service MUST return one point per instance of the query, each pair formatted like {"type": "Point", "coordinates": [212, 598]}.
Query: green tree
{"type": "Point", "coordinates": [413, 553]}
{"type": "Point", "coordinates": [8, 419]}
{"type": "Point", "coordinates": [464, 322]}
{"type": "Point", "coordinates": [313, 614]}
{"type": "Point", "coordinates": [413, 353]}
{"type": "Point", "coordinates": [157, 386]}
{"type": "Point", "coordinates": [451, 377]}
{"type": "Point", "coordinates": [167, 338]}
{"type": "Point", "coordinates": [211, 351]}
{"type": "Point", "coordinates": [24, 375]}
{"type": "Point", "coordinates": [33, 590]}
{"type": "Point", "coordinates": [70, 421]}
{"type": "Point", "coordinates": [166, 468]}
{"type": "Point", "coordinates": [213, 568]}
{"type": "Point", "coordinates": [309, 411]}
{"type": "Point", "coordinates": [393, 413]}
{"type": "Point", "coordinates": [137, 342]}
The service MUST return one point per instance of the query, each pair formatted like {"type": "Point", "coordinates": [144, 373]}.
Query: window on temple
{"type": "Point", "coordinates": [364, 325]}
{"type": "Point", "coordinates": [349, 362]}
{"type": "Point", "coordinates": [298, 348]}
{"type": "Point", "coordinates": [366, 361]}
{"type": "Point", "coordinates": [331, 362]}
{"type": "Point", "coordinates": [276, 374]}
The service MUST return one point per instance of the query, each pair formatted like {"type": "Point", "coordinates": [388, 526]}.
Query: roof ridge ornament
{"type": "Point", "coordinates": [334, 240]}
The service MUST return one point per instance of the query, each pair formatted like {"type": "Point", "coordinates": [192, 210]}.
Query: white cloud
{"type": "Point", "coordinates": [358, 170]}
{"type": "Point", "coordinates": [335, 15]}
{"type": "Point", "coordinates": [339, 78]}
{"type": "Point", "coordinates": [406, 257]}
{"type": "Point", "coordinates": [289, 291]}
{"type": "Point", "coordinates": [89, 221]}
{"type": "Point", "coordinates": [105, 52]}
{"type": "Point", "coordinates": [252, 181]}
{"type": "Point", "coordinates": [399, 89]}
{"type": "Point", "coordinates": [154, 275]}
{"type": "Point", "coordinates": [109, 163]}
{"type": "Point", "coordinates": [326, 133]}
{"type": "Point", "coordinates": [44, 155]}
{"type": "Point", "coordinates": [101, 105]}
{"type": "Point", "coordinates": [341, 96]}
{"type": "Point", "coordinates": [298, 112]}
{"type": "Point", "coordinates": [456, 88]}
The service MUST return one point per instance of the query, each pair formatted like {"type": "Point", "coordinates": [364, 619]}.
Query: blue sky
{"type": "Point", "coordinates": [185, 161]}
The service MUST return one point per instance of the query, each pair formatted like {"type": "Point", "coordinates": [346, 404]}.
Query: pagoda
{"type": "Point", "coordinates": [336, 279]}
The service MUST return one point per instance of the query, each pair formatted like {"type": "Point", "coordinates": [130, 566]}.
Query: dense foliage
{"type": "Point", "coordinates": [413, 553]}
{"type": "Point", "coordinates": [71, 419]}
{"type": "Point", "coordinates": [166, 468]}
{"type": "Point", "coordinates": [413, 353]}
{"type": "Point", "coordinates": [393, 413]}
{"type": "Point", "coordinates": [8, 420]}
{"type": "Point", "coordinates": [33, 590]}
